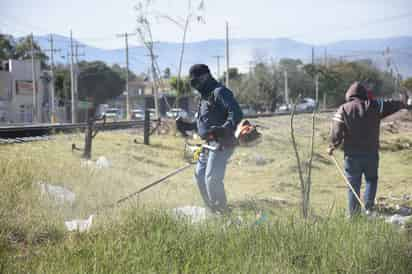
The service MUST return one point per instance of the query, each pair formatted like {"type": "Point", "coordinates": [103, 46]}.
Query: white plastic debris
{"type": "Point", "coordinates": [59, 194]}
{"type": "Point", "coordinates": [398, 219]}
{"type": "Point", "coordinates": [192, 213]}
{"type": "Point", "coordinates": [102, 162]}
{"type": "Point", "coordinates": [260, 161]}
{"type": "Point", "coordinates": [79, 224]}
{"type": "Point", "coordinates": [86, 163]}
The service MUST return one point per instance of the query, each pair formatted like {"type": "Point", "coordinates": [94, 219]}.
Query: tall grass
{"type": "Point", "coordinates": [132, 239]}
{"type": "Point", "coordinates": [154, 242]}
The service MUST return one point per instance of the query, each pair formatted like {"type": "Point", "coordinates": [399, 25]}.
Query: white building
{"type": "Point", "coordinates": [16, 92]}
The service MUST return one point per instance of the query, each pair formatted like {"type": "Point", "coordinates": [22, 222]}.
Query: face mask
{"type": "Point", "coordinates": [195, 83]}
{"type": "Point", "coordinates": [198, 82]}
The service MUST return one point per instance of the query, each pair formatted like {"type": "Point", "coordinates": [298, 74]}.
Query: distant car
{"type": "Point", "coordinates": [175, 112]}
{"type": "Point", "coordinates": [112, 114]}
{"type": "Point", "coordinates": [305, 105]}
{"type": "Point", "coordinates": [284, 108]}
{"type": "Point", "coordinates": [152, 113]}
{"type": "Point", "coordinates": [137, 114]}
{"type": "Point", "coordinates": [248, 110]}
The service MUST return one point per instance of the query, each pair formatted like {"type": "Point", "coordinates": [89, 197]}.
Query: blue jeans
{"type": "Point", "coordinates": [209, 174]}
{"type": "Point", "coordinates": [355, 165]}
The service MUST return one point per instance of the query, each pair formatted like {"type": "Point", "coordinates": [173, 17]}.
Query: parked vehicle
{"type": "Point", "coordinates": [112, 114]}
{"type": "Point", "coordinates": [137, 114]}
{"type": "Point", "coordinates": [247, 110]}
{"type": "Point", "coordinates": [175, 112]}
{"type": "Point", "coordinates": [305, 105]}
{"type": "Point", "coordinates": [152, 113]}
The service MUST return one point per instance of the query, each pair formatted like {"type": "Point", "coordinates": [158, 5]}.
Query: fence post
{"type": "Point", "coordinates": [146, 127]}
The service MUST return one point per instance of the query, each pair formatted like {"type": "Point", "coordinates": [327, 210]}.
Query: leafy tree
{"type": "Point", "coordinates": [7, 46]}
{"type": "Point", "coordinates": [346, 73]}
{"type": "Point", "coordinates": [22, 51]}
{"type": "Point", "coordinates": [259, 88]}
{"type": "Point", "coordinates": [62, 82]}
{"type": "Point", "coordinates": [407, 83]}
{"type": "Point", "coordinates": [182, 88]}
{"type": "Point", "coordinates": [167, 73]}
{"type": "Point", "coordinates": [99, 83]}
{"type": "Point", "coordinates": [122, 72]}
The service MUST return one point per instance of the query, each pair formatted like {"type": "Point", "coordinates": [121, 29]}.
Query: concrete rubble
{"type": "Point", "coordinates": [193, 214]}
{"type": "Point", "coordinates": [396, 210]}
{"type": "Point", "coordinates": [101, 163]}
{"type": "Point", "coordinates": [79, 225]}
{"type": "Point", "coordinates": [59, 194]}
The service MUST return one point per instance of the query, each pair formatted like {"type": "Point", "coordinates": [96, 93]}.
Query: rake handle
{"type": "Point", "coordinates": [347, 181]}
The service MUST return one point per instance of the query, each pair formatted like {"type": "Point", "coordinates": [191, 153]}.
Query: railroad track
{"type": "Point", "coordinates": [20, 140]}
{"type": "Point", "coordinates": [24, 131]}
{"type": "Point", "coordinates": [28, 133]}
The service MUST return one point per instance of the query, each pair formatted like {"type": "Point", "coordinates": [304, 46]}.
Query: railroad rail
{"type": "Point", "coordinates": [33, 130]}
{"type": "Point", "coordinates": [29, 130]}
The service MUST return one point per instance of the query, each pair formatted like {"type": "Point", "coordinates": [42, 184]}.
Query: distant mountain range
{"type": "Point", "coordinates": [243, 52]}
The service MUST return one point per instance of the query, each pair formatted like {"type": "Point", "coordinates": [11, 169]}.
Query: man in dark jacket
{"type": "Point", "coordinates": [356, 125]}
{"type": "Point", "coordinates": [216, 121]}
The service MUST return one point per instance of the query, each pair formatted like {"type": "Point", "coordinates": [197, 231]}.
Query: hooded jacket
{"type": "Point", "coordinates": [356, 123]}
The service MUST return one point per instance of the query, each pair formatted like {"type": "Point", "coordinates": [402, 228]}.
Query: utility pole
{"type": "Point", "coordinates": [317, 89]}
{"type": "Point", "coordinates": [77, 71]}
{"type": "Point", "coordinates": [33, 75]}
{"type": "Point", "coordinates": [387, 57]}
{"type": "Point", "coordinates": [126, 35]}
{"type": "Point", "coordinates": [73, 110]}
{"type": "Point", "coordinates": [218, 65]}
{"type": "Point", "coordinates": [313, 56]}
{"type": "Point", "coordinates": [154, 85]}
{"type": "Point", "coordinates": [285, 74]}
{"type": "Point", "coordinates": [52, 95]}
{"type": "Point", "coordinates": [251, 63]}
{"type": "Point", "coordinates": [227, 54]}
{"type": "Point", "coordinates": [315, 77]}
{"type": "Point", "coordinates": [326, 58]}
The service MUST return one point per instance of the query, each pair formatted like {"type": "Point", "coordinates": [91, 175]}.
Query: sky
{"type": "Point", "coordinates": [96, 22]}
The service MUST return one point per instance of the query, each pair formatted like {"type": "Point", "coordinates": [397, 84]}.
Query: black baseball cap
{"type": "Point", "coordinates": [198, 69]}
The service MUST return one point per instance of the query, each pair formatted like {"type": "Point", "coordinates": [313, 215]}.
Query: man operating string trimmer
{"type": "Point", "coordinates": [217, 119]}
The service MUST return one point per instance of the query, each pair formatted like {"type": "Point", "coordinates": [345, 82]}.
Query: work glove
{"type": "Point", "coordinates": [218, 131]}
{"type": "Point", "coordinates": [183, 126]}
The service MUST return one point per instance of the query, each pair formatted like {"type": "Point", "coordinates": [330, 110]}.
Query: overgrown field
{"type": "Point", "coordinates": [140, 236]}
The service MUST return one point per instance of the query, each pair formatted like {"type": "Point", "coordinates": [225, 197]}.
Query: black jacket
{"type": "Point", "coordinates": [218, 108]}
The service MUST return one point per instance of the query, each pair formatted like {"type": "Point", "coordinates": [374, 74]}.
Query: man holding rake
{"type": "Point", "coordinates": [356, 124]}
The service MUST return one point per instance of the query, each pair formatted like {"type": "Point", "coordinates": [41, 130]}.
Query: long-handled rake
{"type": "Point", "coordinates": [347, 181]}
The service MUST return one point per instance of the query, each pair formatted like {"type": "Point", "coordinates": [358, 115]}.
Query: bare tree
{"type": "Point", "coordinates": [305, 183]}
{"type": "Point", "coordinates": [144, 30]}
{"type": "Point", "coordinates": [91, 132]}
{"type": "Point", "coordinates": [183, 24]}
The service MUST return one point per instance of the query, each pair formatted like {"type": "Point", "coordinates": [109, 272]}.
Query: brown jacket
{"type": "Point", "coordinates": [356, 123]}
